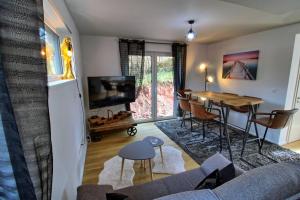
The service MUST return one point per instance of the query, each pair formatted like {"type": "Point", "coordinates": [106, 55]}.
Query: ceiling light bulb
{"type": "Point", "coordinates": [190, 35]}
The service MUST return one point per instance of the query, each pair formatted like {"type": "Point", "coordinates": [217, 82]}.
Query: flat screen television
{"type": "Point", "coordinates": [110, 90]}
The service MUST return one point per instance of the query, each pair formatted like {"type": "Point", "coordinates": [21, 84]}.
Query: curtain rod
{"type": "Point", "coordinates": [151, 42]}
{"type": "Point", "coordinates": [156, 42]}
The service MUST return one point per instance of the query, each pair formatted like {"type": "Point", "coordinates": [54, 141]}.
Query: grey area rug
{"type": "Point", "coordinates": [203, 149]}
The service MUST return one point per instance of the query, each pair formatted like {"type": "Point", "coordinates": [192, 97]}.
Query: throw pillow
{"type": "Point", "coordinates": [116, 196]}
{"type": "Point", "coordinates": [209, 182]}
{"type": "Point", "coordinates": [226, 174]}
{"type": "Point", "coordinates": [218, 170]}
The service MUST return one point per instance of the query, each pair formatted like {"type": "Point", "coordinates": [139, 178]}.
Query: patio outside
{"type": "Point", "coordinates": [165, 90]}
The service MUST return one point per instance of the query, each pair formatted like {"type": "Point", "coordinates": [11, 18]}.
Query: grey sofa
{"type": "Point", "coordinates": [277, 181]}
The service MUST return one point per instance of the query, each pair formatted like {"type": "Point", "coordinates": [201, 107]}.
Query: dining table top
{"type": "Point", "coordinates": [226, 98]}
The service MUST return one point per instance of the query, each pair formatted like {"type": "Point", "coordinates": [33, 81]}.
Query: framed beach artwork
{"type": "Point", "coordinates": [242, 66]}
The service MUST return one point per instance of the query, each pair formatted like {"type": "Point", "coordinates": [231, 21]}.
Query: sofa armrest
{"type": "Point", "coordinates": [93, 192]}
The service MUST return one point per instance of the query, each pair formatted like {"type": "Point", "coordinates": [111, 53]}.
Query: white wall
{"type": "Point", "coordinates": [67, 139]}
{"type": "Point", "coordinates": [101, 57]}
{"type": "Point", "coordinates": [196, 54]}
{"type": "Point", "coordinates": [66, 118]}
{"type": "Point", "coordinates": [276, 50]}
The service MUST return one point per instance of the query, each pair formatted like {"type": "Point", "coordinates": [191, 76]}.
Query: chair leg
{"type": "Point", "coordinates": [257, 136]}
{"type": "Point", "coordinates": [191, 119]}
{"type": "Point", "coordinates": [248, 121]}
{"type": "Point", "coordinates": [191, 125]}
{"type": "Point", "coordinates": [263, 140]}
{"type": "Point", "coordinates": [183, 118]}
{"type": "Point", "coordinates": [203, 127]}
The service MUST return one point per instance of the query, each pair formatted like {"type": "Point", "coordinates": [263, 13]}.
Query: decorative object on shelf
{"type": "Point", "coordinates": [67, 54]}
{"type": "Point", "coordinates": [97, 121]}
{"type": "Point", "coordinates": [208, 78]}
{"type": "Point", "coordinates": [241, 66]}
{"type": "Point", "coordinates": [191, 34]}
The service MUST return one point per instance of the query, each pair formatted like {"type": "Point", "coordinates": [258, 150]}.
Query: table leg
{"type": "Point", "coordinates": [247, 130]}
{"type": "Point", "coordinates": [141, 166]}
{"type": "Point", "coordinates": [150, 167]}
{"type": "Point", "coordinates": [225, 116]}
{"type": "Point", "coordinates": [122, 168]}
{"type": "Point", "coordinates": [161, 154]}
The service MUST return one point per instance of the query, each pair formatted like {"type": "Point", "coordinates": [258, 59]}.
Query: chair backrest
{"type": "Point", "coordinates": [198, 110]}
{"type": "Point", "coordinates": [184, 104]}
{"type": "Point", "coordinates": [282, 118]}
{"type": "Point", "coordinates": [181, 93]}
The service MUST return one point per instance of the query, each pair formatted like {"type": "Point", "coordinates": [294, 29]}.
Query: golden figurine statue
{"type": "Point", "coordinates": [66, 53]}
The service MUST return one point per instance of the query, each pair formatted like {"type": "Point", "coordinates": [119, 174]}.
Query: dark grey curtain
{"type": "Point", "coordinates": [179, 56]}
{"type": "Point", "coordinates": [26, 155]}
{"type": "Point", "coordinates": [132, 56]}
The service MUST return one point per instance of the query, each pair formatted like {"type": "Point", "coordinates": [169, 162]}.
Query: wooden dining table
{"type": "Point", "coordinates": [226, 101]}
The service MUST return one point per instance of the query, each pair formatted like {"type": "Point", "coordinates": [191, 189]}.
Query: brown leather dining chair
{"type": "Point", "coordinates": [277, 119]}
{"type": "Point", "coordinates": [202, 116]}
{"type": "Point", "coordinates": [186, 109]}
{"type": "Point", "coordinates": [245, 110]}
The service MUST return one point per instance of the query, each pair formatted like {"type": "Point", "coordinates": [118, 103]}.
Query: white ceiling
{"type": "Point", "coordinates": [166, 19]}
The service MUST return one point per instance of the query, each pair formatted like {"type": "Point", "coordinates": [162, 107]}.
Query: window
{"type": "Point", "coordinates": [53, 57]}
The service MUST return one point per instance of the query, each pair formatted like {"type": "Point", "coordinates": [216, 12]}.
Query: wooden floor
{"type": "Point", "coordinates": [294, 146]}
{"type": "Point", "coordinates": [109, 146]}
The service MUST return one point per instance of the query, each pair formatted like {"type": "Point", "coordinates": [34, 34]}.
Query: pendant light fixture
{"type": "Point", "coordinates": [191, 34]}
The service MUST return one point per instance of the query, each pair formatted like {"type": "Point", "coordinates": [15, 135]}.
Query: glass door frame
{"type": "Point", "coordinates": [154, 55]}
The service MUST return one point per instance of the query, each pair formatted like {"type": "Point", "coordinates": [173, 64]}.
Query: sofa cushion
{"type": "Point", "coordinates": [276, 181]}
{"type": "Point", "coordinates": [192, 195]}
{"type": "Point", "coordinates": [172, 184]}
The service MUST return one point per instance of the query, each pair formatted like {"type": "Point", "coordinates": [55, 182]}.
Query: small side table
{"type": "Point", "coordinates": [155, 142]}
{"type": "Point", "coordinates": [140, 150]}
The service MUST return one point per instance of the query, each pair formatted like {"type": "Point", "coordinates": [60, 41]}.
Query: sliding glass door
{"type": "Point", "coordinates": [164, 87]}
{"type": "Point", "coordinates": [156, 99]}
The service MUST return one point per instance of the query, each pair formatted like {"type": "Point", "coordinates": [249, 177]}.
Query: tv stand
{"type": "Point", "coordinates": [100, 125]}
